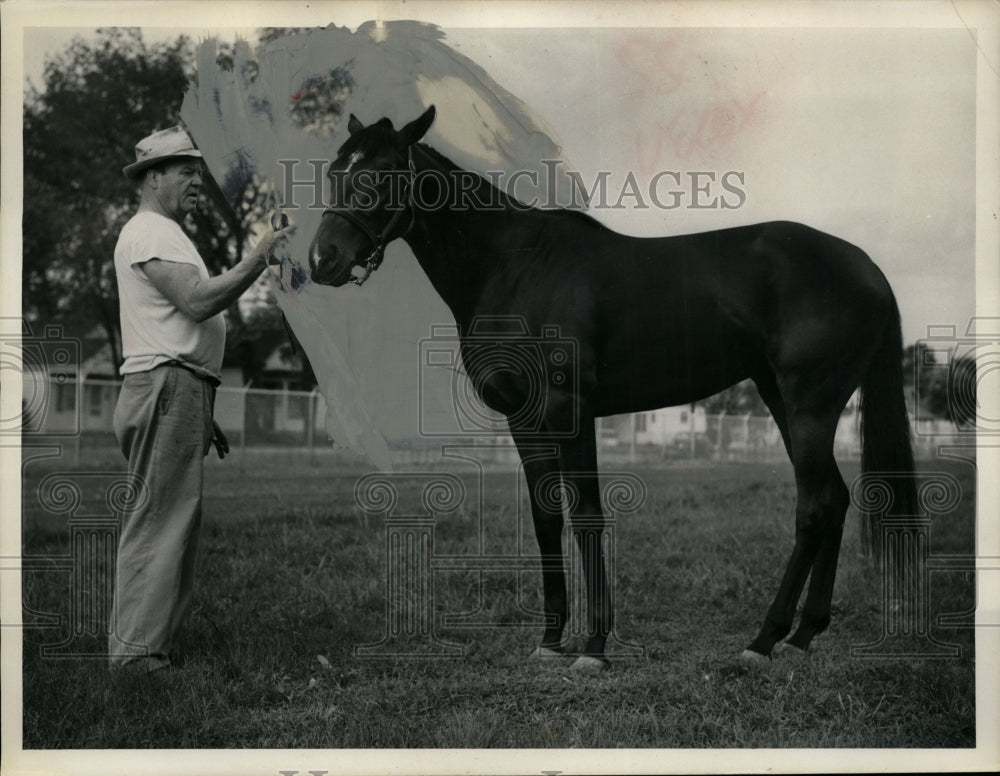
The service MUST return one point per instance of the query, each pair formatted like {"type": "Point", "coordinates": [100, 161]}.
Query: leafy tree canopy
{"type": "Point", "coordinates": [740, 399]}
{"type": "Point", "coordinates": [98, 98]}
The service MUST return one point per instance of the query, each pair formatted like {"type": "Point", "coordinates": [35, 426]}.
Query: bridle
{"type": "Point", "coordinates": [380, 239]}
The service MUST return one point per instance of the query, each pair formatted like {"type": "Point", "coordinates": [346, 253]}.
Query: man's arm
{"type": "Point", "coordinates": [200, 298]}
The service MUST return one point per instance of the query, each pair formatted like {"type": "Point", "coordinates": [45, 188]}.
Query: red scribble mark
{"type": "Point", "coordinates": [654, 67]}
{"type": "Point", "coordinates": [712, 126]}
{"type": "Point", "coordinates": [672, 131]}
{"type": "Point", "coordinates": [312, 83]}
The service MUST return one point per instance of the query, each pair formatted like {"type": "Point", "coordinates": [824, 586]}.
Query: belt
{"type": "Point", "coordinates": [214, 382]}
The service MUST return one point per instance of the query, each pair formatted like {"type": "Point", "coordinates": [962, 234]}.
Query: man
{"type": "Point", "coordinates": [173, 337]}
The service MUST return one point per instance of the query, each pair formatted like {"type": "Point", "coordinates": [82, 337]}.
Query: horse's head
{"type": "Point", "coordinates": [371, 205]}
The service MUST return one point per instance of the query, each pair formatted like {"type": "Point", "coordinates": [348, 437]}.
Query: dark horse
{"type": "Point", "coordinates": [656, 322]}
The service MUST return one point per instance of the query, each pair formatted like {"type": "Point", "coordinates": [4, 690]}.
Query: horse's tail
{"type": "Point", "coordinates": [885, 438]}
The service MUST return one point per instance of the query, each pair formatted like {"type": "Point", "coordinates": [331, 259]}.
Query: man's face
{"type": "Point", "coordinates": [177, 185]}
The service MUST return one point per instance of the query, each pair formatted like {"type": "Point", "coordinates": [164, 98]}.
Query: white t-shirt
{"type": "Point", "coordinates": [153, 329]}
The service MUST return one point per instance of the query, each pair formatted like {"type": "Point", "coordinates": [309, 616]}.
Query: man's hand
{"type": "Point", "coordinates": [219, 440]}
{"type": "Point", "coordinates": [272, 247]}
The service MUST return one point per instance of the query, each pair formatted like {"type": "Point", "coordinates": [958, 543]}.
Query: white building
{"type": "Point", "coordinates": [657, 427]}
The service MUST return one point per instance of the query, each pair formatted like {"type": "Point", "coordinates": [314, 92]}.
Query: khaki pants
{"type": "Point", "coordinates": [163, 421]}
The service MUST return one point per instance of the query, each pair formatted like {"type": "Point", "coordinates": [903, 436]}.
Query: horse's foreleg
{"type": "Point", "coordinates": [541, 464]}
{"type": "Point", "coordinates": [579, 471]}
{"type": "Point", "coordinates": [588, 525]}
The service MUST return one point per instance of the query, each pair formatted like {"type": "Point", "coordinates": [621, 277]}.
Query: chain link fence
{"type": "Point", "coordinates": [80, 417]}
{"type": "Point", "coordinates": [294, 422]}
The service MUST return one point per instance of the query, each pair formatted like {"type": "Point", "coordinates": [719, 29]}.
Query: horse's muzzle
{"type": "Point", "coordinates": [324, 270]}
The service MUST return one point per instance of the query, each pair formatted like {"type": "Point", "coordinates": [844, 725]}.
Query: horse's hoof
{"type": "Point", "coordinates": [751, 658]}
{"type": "Point", "coordinates": [546, 653]}
{"type": "Point", "coordinates": [590, 665]}
{"type": "Point", "coordinates": [788, 651]}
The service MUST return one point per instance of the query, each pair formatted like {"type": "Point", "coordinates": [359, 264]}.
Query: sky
{"type": "Point", "coordinates": [865, 134]}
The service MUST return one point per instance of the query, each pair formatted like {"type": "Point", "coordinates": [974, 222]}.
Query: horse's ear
{"type": "Point", "coordinates": [417, 128]}
{"type": "Point", "coordinates": [353, 125]}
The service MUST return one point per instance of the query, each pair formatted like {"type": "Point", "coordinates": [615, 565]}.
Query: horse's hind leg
{"type": "Point", "coordinates": [819, 516]}
{"type": "Point", "coordinates": [816, 612]}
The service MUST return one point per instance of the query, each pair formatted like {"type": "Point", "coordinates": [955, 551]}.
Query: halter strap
{"type": "Point", "coordinates": [381, 239]}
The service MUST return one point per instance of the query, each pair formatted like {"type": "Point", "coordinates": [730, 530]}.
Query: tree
{"type": "Point", "coordinates": [940, 390]}
{"type": "Point", "coordinates": [738, 399]}
{"type": "Point", "coordinates": [262, 332]}
{"type": "Point", "coordinates": [97, 100]}
{"type": "Point", "coordinates": [926, 382]}
{"type": "Point", "coordinates": [962, 395]}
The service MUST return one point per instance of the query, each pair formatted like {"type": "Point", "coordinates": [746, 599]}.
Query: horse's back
{"type": "Point", "coordinates": [676, 319]}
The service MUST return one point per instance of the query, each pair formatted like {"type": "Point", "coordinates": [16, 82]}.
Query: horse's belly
{"type": "Point", "coordinates": [653, 391]}
{"type": "Point", "coordinates": [672, 363]}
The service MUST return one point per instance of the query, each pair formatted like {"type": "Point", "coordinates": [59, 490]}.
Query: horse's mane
{"type": "Point", "coordinates": [487, 192]}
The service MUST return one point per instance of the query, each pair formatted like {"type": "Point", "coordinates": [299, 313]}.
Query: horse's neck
{"type": "Point", "coordinates": [459, 249]}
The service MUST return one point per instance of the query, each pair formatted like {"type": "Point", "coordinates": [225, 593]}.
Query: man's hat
{"type": "Point", "coordinates": [158, 147]}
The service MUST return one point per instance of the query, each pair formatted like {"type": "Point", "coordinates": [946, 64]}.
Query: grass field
{"type": "Point", "coordinates": [292, 579]}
